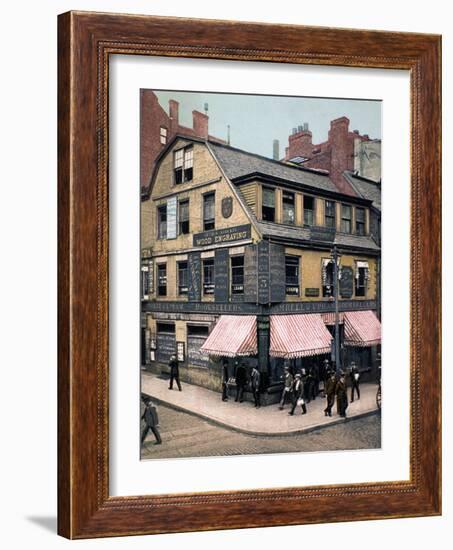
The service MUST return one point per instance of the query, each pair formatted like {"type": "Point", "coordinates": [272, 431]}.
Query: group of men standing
{"type": "Point", "coordinates": [241, 380]}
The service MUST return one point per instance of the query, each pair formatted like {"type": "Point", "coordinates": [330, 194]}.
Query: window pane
{"type": "Point", "coordinates": [288, 208]}
{"type": "Point", "coordinates": [268, 197]}
{"type": "Point", "coordinates": [208, 276]}
{"type": "Point", "coordinates": [292, 275]}
{"type": "Point", "coordinates": [188, 158]}
{"type": "Point", "coordinates": [237, 275]}
{"type": "Point", "coordinates": [179, 158]}
{"type": "Point", "coordinates": [182, 278]}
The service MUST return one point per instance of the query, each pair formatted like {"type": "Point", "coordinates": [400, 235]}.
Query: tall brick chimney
{"type": "Point", "coordinates": [341, 152]}
{"type": "Point", "coordinates": [300, 143]}
{"type": "Point", "coordinates": [200, 124]}
{"type": "Point", "coordinates": [174, 115]}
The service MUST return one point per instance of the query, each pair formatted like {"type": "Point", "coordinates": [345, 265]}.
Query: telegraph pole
{"type": "Point", "coordinates": [335, 257]}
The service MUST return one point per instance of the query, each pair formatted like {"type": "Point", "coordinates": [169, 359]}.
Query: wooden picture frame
{"type": "Point", "coordinates": [85, 41]}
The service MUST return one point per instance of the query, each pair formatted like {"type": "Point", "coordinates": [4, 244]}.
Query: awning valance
{"type": "Point", "coordinates": [329, 318]}
{"type": "Point", "coordinates": [361, 328]}
{"type": "Point", "coordinates": [298, 336]}
{"type": "Point", "coordinates": [233, 335]}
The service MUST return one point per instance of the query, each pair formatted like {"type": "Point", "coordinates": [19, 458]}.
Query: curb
{"type": "Point", "coordinates": [307, 429]}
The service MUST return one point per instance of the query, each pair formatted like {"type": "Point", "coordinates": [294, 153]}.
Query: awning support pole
{"type": "Point", "coordinates": [335, 257]}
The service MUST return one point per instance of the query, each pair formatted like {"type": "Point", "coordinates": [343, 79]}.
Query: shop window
{"type": "Point", "coordinates": [289, 215]}
{"type": "Point", "coordinates": [360, 221]}
{"type": "Point", "coordinates": [268, 208]}
{"type": "Point", "coordinates": [184, 226]}
{"type": "Point", "coordinates": [328, 279]}
{"type": "Point", "coordinates": [237, 275]}
{"type": "Point", "coordinates": [361, 281]}
{"type": "Point", "coordinates": [162, 279]}
{"type": "Point", "coordinates": [183, 164]}
{"type": "Point", "coordinates": [292, 275]}
{"type": "Point", "coordinates": [208, 276]}
{"type": "Point", "coordinates": [183, 281]}
{"type": "Point", "coordinates": [209, 211]}
{"type": "Point", "coordinates": [329, 215]}
{"type": "Point", "coordinates": [163, 134]}
{"type": "Point", "coordinates": [346, 215]}
{"type": "Point", "coordinates": [162, 222]}
{"type": "Point", "coordinates": [309, 209]}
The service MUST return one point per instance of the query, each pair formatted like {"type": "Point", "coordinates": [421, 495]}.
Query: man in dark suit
{"type": "Point", "coordinates": [255, 379]}
{"type": "Point", "coordinates": [331, 384]}
{"type": "Point", "coordinates": [150, 420]}
{"type": "Point", "coordinates": [174, 372]}
{"type": "Point", "coordinates": [355, 377]}
{"type": "Point", "coordinates": [287, 388]}
{"type": "Point", "coordinates": [225, 377]}
{"type": "Point", "coordinates": [298, 395]}
{"type": "Point", "coordinates": [241, 380]}
{"type": "Point", "coordinates": [342, 396]}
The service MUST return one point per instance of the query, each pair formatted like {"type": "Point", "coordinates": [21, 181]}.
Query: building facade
{"type": "Point", "coordinates": [237, 265]}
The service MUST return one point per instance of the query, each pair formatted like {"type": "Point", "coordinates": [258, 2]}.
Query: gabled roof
{"type": "Point", "coordinates": [238, 163]}
{"type": "Point", "coordinates": [366, 188]}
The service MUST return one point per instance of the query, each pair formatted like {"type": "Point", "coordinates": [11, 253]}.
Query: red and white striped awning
{"type": "Point", "coordinates": [298, 336]}
{"type": "Point", "coordinates": [232, 335]}
{"type": "Point", "coordinates": [361, 328]}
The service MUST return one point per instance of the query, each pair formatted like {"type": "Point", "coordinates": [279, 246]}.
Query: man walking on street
{"type": "Point", "coordinates": [287, 388]}
{"type": "Point", "coordinates": [342, 396]}
{"type": "Point", "coordinates": [355, 376]}
{"type": "Point", "coordinates": [174, 372]}
{"type": "Point", "coordinates": [150, 420]}
{"type": "Point", "coordinates": [255, 379]}
{"type": "Point", "coordinates": [225, 379]}
{"type": "Point", "coordinates": [241, 380]}
{"type": "Point", "coordinates": [331, 384]}
{"type": "Point", "coordinates": [298, 395]}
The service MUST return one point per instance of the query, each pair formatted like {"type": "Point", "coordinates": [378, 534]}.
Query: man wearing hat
{"type": "Point", "coordinates": [355, 376]}
{"type": "Point", "coordinates": [150, 420]}
{"type": "Point", "coordinates": [298, 395]}
{"type": "Point", "coordinates": [241, 380]}
{"type": "Point", "coordinates": [331, 384]}
{"type": "Point", "coordinates": [287, 388]}
{"type": "Point", "coordinates": [342, 396]}
{"type": "Point", "coordinates": [174, 372]}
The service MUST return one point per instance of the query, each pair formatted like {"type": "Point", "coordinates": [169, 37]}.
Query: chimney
{"type": "Point", "coordinates": [200, 124]}
{"type": "Point", "coordinates": [174, 115]}
{"type": "Point", "coordinates": [341, 153]}
{"type": "Point", "coordinates": [300, 143]}
{"type": "Point", "coordinates": [276, 150]}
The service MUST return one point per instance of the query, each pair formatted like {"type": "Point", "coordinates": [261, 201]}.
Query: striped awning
{"type": "Point", "coordinates": [298, 336]}
{"type": "Point", "coordinates": [361, 328]}
{"type": "Point", "coordinates": [232, 335]}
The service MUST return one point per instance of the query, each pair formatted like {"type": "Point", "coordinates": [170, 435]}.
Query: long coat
{"type": "Point", "coordinates": [342, 396]}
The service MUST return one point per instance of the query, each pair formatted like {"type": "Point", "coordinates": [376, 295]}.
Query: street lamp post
{"type": "Point", "coordinates": [335, 257]}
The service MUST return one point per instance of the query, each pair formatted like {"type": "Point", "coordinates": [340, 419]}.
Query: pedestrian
{"type": "Point", "coordinates": [331, 384]}
{"type": "Point", "coordinates": [174, 372]}
{"type": "Point", "coordinates": [255, 380]}
{"type": "Point", "coordinates": [225, 379]}
{"type": "Point", "coordinates": [241, 380]}
{"type": "Point", "coordinates": [342, 396]}
{"type": "Point", "coordinates": [287, 388]}
{"type": "Point", "coordinates": [150, 420]}
{"type": "Point", "coordinates": [355, 377]}
{"type": "Point", "coordinates": [298, 395]}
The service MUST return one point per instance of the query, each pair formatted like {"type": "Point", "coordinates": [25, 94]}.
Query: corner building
{"type": "Point", "coordinates": [236, 263]}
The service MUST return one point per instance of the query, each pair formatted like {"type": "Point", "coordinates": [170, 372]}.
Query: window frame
{"type": "Point", "coordinates": [163, 136]}
{"type": "Point", "coordinates": [206, 221]}
{"type": "Point", "coordinates": [296, 260]}
{"type": "Point", "coordinates": [160, 234]}
{"type": "Point", "coordinates": [233, 291]}
{"type": "Point", "coordinates": [186, 172]}
{"type": "Point", "coordinates": [293, 222]}
{"type": "Point", "coordinates": [330, 217]}
{"type": "Point", "coordinates": [362, 223]}
{"type": "Point", "coordinates": [344, 219]}
{"type": "Point", "coordinates": [263, 206]}
{"type": "Point", "coordinates": [180, 232]}
{"type": "Point", "coordinates": [159, 266]}
{"type": "Point", "coordinates": [178, 270]}
{"type": "Point", "coordinates": [312, 210]}
{"type": "Point", "coordinates": [211, 284]}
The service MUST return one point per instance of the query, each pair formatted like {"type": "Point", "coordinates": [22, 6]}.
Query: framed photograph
{"type": "Point", "coordinates": [249, 275]}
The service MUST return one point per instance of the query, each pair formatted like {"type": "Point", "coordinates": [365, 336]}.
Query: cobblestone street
{"type": "Point", "coordinates": [185, 435]}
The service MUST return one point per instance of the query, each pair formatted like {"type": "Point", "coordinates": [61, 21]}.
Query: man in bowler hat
{"type": "Point", "coordinates": [174, 372]}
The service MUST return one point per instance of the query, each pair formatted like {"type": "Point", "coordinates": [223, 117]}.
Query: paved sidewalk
{"type": "Point", "coordinates": [243, 417]}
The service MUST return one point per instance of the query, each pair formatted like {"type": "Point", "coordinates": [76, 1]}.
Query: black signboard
{"type": "Point", "coordinates": [312, 292]}
{"type": "Point", "coordinates": [221, 275]}
{"type": "Point", "coordinates": [250, 274]}
{"type": "Point", "coordinates": [194, 275]}
{"type": "Point", "coordinates": [194, 355]}
{"type": "Point", "coordinates": [263, 272]}
{"type": "Point", "coordinates": [321, 233]}
{"type": "Point", "coordinates": [346, 282]}
{"type": "Point", "coordinates": [277, 272]}
{"type": "Point", "coordinates": [226, 235]}
{"type": "Point", "coordinates": [166, 345]}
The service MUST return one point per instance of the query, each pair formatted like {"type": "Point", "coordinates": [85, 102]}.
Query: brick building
{"type": "Point", "coordinates": [343, 151]}
{"type": "Point", "coordinates": [236, 262]}
{"type": "Point", "coordinates": [157, 128]}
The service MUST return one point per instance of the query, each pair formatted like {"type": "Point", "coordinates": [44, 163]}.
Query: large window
{"type": "Point", "coordinates": [162, 279]}
{"type": "Point", "coordinates": [183, 164]}
{"type": "Point", "coordinates": [268, 208]}
{"type": "Point", "coordinates": [360, 221]}
{"type": "Point", "coordinates": [309, 208]}
{"type": "Point", "coordinates": [237, 275]}
{"type": "Point", "coordinates": [289, 212]}
{"type": "Point", "coordinates": [162, 222]}
{"type": "Point", "coordinates": [361, 280]}
{"type": "Point", "coordinates": [346, 216]}
{"type": "Point", "coordinates": [183, 281]}
{"type": "Point", "coordinates": [327, 279]}
{"type": "Point", "coordinates": [208, 276]}
{"type": "Point", "coordinates": [184, 226]}
{"type": "Point", "coordinates": [292, 275]}
{"type": "Point", "coordinates": [330, 214]}
{"type": "Point", "coordinates": [209, 211]}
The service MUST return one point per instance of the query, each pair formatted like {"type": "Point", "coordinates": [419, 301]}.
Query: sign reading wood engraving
{"type": "Point", "coordinates": [221, 275]}
{"type": "Point", "coordinates": [346, 282]}
{"type": "Point", "coordinates": [277, 273]}
{"type": "Point", "coordinates": [194, 274]}
{"type": "Point", "coordinates": [226, 235]}
{"type": "Point", "coordinates": [227, 207]}
{"type": "Point", "coordinates": [250, 274]}
{"type": "Point", "coordinates": [263, 272]}
{"type": "Point", "coordinates": [171, 218]}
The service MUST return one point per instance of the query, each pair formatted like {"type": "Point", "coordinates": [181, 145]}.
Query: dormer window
{"type": "Point", "coordinates": [268, 209]}
{"type": "Point", "coordinates": [183, 164]}
{"type": "Point", "coordinates": [330, 214]}
{"type": "Point", "coordinates": [288, 208]}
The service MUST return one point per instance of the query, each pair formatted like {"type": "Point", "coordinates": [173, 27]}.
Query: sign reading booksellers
{"type": "Point", "coordinates": [219, 236]}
